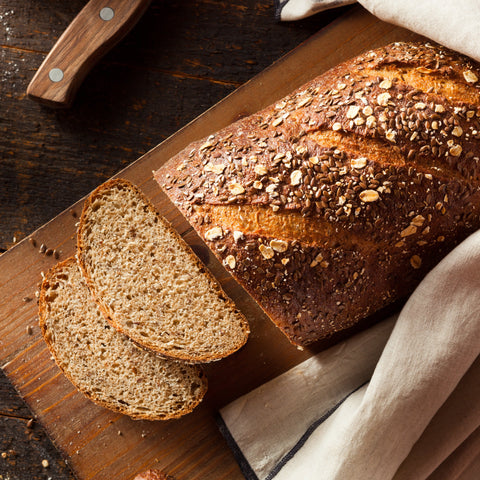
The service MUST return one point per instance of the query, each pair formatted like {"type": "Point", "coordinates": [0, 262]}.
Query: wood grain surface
{"type": "Point", "coordinates": [181, 58]}
{"type": "Point", "coordinates": [97, 443]}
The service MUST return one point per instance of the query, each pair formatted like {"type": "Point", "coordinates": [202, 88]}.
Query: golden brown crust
{"type": "Point", "coordinates": [51, 278]}
{"type": "Point", "coordinates": [108, 312]}
{"type": "Point", "coordinates": [371, 169]}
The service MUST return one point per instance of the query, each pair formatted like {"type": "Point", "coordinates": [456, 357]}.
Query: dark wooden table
{"type": "Point", "coordinates": [181, 58]}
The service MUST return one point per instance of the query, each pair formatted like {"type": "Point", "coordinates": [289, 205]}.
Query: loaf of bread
{"type": "Point", "coordinates": [336, 200]}
{"type": "Point", "coordinates": [103, 363]}
{"type": "Point", "coordinates": [148, 282]}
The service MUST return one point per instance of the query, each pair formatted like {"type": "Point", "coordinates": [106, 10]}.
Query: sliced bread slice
{"type": "Point", "coordinates": [104, 364]}
{"type": "Point", "coordinates": [149, 283]}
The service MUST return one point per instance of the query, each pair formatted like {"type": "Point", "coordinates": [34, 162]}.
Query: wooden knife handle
{"type": "Point", "coordinates": [94, 31]}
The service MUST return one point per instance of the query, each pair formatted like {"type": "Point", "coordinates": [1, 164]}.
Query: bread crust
{"type": "Point", "coordinates": [50, 278]}
{"type": "Point", "coordinates": [363, 179]}
{"type": "Point", "coordinates": [108, 312]}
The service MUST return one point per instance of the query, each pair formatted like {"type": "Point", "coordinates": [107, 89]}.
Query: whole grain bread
{"type": "Point", "coordinates": [336, 200]}
{"type": "Point", "coordinates": [104, 364]}
{"type": "Point", "coordinates": [149, 283]}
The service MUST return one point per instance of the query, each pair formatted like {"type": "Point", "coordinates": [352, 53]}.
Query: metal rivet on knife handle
{"type": "Point", "coordinates": [55, 75]}
{"type": "Point", "coordinates": [107, 13]}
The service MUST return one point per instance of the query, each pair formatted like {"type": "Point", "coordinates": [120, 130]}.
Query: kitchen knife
{"type": "Point", "coordinates": [94, 31]}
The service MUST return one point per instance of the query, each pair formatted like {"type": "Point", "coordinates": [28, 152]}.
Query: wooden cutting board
{"type": "Point", "coordinates": [99, 444]}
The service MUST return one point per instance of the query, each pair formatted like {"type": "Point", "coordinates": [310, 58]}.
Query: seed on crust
{"type": "Point", "coordinates": [418, 220]}
{"type": "Point", "coordinates": [237, 235]}
{"type": "Point", "coordinates": [260, 169]}
{"type": "Point", "coordinates": [391, 135]}
{"type": "Point", "coordinates": [383, 99]}
{"type": "Point", "coordinates": [457, 131]}
{"type": "Point", "coordinates": [267, 252]}
{"type": "Point", "coordinates": [295, 177]}
{"type": "Point", "coordinates": [236, 189]}
{"type": "Point", "coordinates": [358, 162]}
{"type": "Point", "coordinates": [469, 76]}
{"type": "Point", "coordinates": [218, 168]}
{"type": "Point", "coordinates": [206, 145]}
{"type": "Point", "coordinates": [368, 110]}
{"type": "Point", "coordinates": [301, 149]}
{"type": "Point", "coordinates": [416, 261]}
{"type": "Point", "coordinates": [316, 260]}
{"type": "Point", "coordinates": [410, 230]}
{"type": "Point", "coordinates": [214, 233]}
{"type": "Point", "coordinates": [279, 245]}
{"type": "Point", "coordinates": [352, 111]}
{"type": "Point", "coordinates": [386, 84]}
{"type": "Point", "coordinates": [369, 196]}
{"type": "Point", "coordinates": [455, 150]}
{"type": "Point", "coordinates": [230, 261]}
{"type": "Point", "coordinates": [277, 122]}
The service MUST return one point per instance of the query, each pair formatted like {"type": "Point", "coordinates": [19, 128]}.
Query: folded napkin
{"type": "Point", "coordinates": [453, 23]}
{"type": "Point", "coordinates": [417, 417]}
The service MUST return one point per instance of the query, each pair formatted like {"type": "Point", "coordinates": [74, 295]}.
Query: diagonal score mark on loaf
{"type": "Point", "coordinates": [427, 81]}
{"type": "Point", "coordinates": [373, 165]}
{"type": "Point", "coordinates": [423, 127]}
{"type": "Point", "coordinates": [376, 172]}
{"type": "Point", "coordinates": [390, 144]}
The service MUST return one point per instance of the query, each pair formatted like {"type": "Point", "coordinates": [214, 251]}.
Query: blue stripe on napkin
{"type": "Point", "coordinates": [245, 467]}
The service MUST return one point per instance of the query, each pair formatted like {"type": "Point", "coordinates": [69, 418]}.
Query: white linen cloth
{"type": "Point", "coordinates": [453, 23]}
{"type": "Point", "coordinates": [418, 417]}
